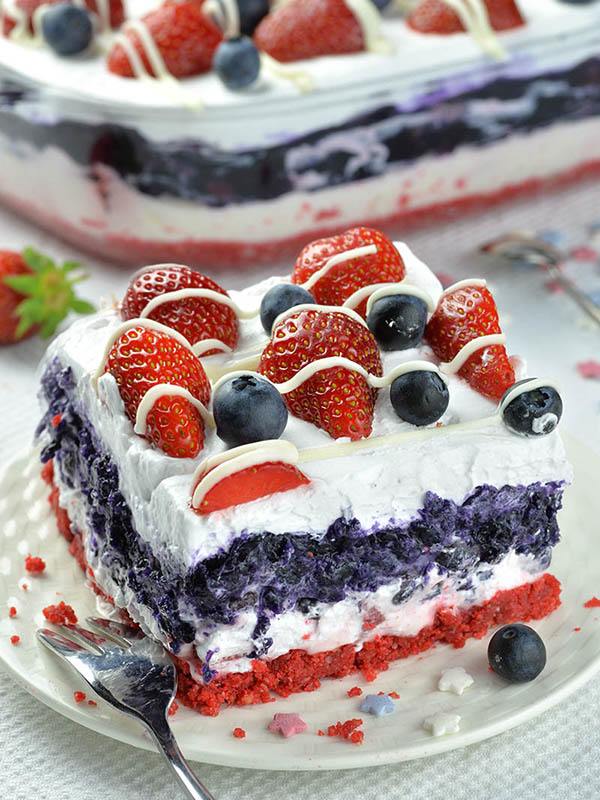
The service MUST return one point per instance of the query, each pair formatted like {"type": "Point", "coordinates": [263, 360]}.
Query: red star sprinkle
{"type": "Point", "coordinates": [287, 725]}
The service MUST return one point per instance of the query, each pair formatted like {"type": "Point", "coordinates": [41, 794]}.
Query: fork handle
{"type": "Point", "coordinates": [174, 757]}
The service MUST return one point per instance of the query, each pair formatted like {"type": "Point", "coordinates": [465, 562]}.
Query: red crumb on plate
{"type": "Point", "coordinates": [347, 730]}
{"type": "Point", "coordinates": [593, 602]}
{"type": "Point", "coordinates": [355, 691]}
{"type": "Point", "coordinates": [12, 611]}
{"type": "Point", "coordinates": [394, 695]}
{"type": "Point", "coordinates": [92, 703]}
{"type": "Point", "coordinates": [59, 614]}
{"type": "Point", "coordinates": [35, 565]}
{"type": "Point", "coordinates": [577, 629]}
{"type": "Point", "coordinates": [79, 697]}
{"type": "Point", "coordinates": [56, 420]}
{"type": "Point", "coordinates": [173, 708]}
{"type": "Point", "coordinates": [320, 733]}
{"type": "Point", "coordinates": [15, 639]}
{"type": "Point", "coordinates": [239, 733]}
{"type": "Point", "coordinates": [25, 587]}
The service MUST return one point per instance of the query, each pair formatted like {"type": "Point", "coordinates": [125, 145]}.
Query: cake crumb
{"type": "Point", "coordinates": [12, 612]}
{"type": "Point", "coordinates": [173, 708]}
{"type": "Point", "coordinates": [25, 587]}
{"type": "Point", "coordinates": [60, 614]}
{"type": "Point", "coordinates": [593, 602]}
{"type": "Point", "coordinates": [79, 697]}
{"type": "Point", "coordinates": [394, 695]}
{"type": "Point", "coordinates": [15, 639]}
{"type": "Point", "coordinates": [239, 733]}
{"type": "Point", "coordinates": [56, 420]}
{"type": "Point", "coordinates": [577, 629]}
{"type": "Point", "coordinates": [355, 691]}
{"type": "Point", "coordinates": [34, 565]}
{"type": "Point", "coordinates": [347, 730]}
{"type": "Point", "coordinates": [92, 703]}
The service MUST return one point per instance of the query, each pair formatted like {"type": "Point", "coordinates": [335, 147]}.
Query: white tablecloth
{"type": "Point", "coordinates": [557, 757]}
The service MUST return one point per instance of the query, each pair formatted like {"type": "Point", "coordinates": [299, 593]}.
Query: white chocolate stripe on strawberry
{"type": "Point", "coordinates": [336, 362]}
{"type": "Point", "coordinates": [225, 14]}
{"type": "Point", "coordinates": [528, 385]}
{"type": "Point", "coordinates": [339, 258]}
{"type": "Point", "coordinates": [478, 283]}
{"type": "Point", "coordinates": [10, 11]}
{"type": "Point", "coordinates": [369, 19]}
{"type": "Point", "coordinates": [301, 79]}
{"type": "Point", "coordinates": [465, 353]}
{"type": "Point", "coordinates": [473, 14]}
{"type": "Point", "coordinates": [204, 345]}
{"type": "Point", "coordinates": [377, 291]}
{"type": "Point", "coordinates": [149, 324]}
{"type": "Point", "coordinates": [201, 294]}
{"type": "Point", "coordinates": [317, 307]}
{"type": "Point", "coordinates": [213, 470]}
{"type": "Point", "coordinates": [150, 49]}
{"type": "Point", "coordinates": [167, 390]}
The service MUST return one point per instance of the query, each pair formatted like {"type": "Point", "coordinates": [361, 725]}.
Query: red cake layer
{"type": "Point", "coordinates": [299, 671]}
{"type": "Point", "coordinates": [131, 251]}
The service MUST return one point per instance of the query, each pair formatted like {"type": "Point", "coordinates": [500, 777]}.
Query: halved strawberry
{"type": "Point", "coordinates": [185, 37]}
{"type": "Point", "coordinates": [461, 316]}
{"type": "Point", "coordinates": [436, 16]}
{"type": "Point", "coordinates": [142, 358]}
{"type": "Point", "coordinates": [338, 400]}
{"type": "Point", "coordinates": [195, 318]}
{"type": "Point", "coordinates": [308, 28]}
{"type": "Point", "coordinates": [336, 286]}
{"type": "Point", "coordinates": [250, 484]}
{"type": "Point", "coordinates": [116, 12]}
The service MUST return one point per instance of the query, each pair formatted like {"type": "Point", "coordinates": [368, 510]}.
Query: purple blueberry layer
{"type": "Point", "coordinates": [276, 573]}
{"type": "Point", "coordinates": [446, 117]}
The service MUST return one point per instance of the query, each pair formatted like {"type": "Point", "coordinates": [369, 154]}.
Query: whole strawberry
{"type": "Point", "coordinates": [195, 318]}
{"type": "Point", "coordinates": [116, 12]}
{"type": "Point", "coordinates": [302, 29]}
{"type": "Point", "coordinates": [464, 314]}
{"type": "Point", "coordinates": [142, 358]}
{"type": "Point", "coordinates": [338, 400]}
{"type": "Point", "coordinates": [336, 286]}
{"type": "Point", "coordinates": [186, 39]}
{"type": "Point", "coordinates": [436, 16]}
{"type": "Point", "coordinates": [36, 294]}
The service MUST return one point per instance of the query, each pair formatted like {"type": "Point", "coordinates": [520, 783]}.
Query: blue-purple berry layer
{"type": "Point", "coordinates": [275, 573]}
{"type": "Point", "coordinates": [446, 117]}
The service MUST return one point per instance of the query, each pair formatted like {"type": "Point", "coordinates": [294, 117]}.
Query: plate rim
{"type": "Point", "coordinates": [333, 760]}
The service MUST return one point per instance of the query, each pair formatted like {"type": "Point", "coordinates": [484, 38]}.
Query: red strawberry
{"type": "Point", "coordinates": [251, 484]}
{"type": "Point", "coordinates": [116, 12]}
{"type": "Point", "coordinates": [463, 315]}
{"type": "Point", "coordinates": [435, 16]}
{"type": "Point", "coordinates": [36, 294]}
{"type": "Point", "coordinates": [186, 39]}
{"type": "Point", "coordinates": [338, 400]}
{"type": "Point", "coordinates": [344, 279]}
{"type": "Point", "coordinates": [309, 28]}
{"type": "Point", "coordinates": [195, 318]}
{"type": "Point", "coordinates": [142, 358]}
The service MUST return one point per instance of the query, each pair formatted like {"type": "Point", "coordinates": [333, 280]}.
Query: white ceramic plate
{"type": "Point", "coordinates": [486, 709]}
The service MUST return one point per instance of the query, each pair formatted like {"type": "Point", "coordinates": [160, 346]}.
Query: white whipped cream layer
{"type": "Point", "coordinates": [374, 485]}
{"type": "Point", "coordinates": [555, 33]}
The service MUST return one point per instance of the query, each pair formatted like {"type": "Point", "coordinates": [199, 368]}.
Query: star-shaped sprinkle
{"type": "Point", "coordinates": [441, 724]}
{"type": "Point", "coordinates": [287, 725]}
{"type": "Point", "coordinates": [380, 705]}
{"type": "Point", "coordinates": [589, 369]}
{"type": "Point", "coordinates": [455, 680]}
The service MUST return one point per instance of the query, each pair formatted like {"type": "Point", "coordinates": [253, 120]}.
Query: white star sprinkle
{"type": "Point", "coordinates": [442, 723]}
{"type": "Point", "coordinates": [455, 680]}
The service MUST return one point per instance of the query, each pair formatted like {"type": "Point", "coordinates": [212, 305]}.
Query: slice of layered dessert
{"type": "Point", "coordinates": [315, 476]}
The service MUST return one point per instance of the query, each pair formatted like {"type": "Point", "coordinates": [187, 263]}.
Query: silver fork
{"type": "Point", "coordinates": [132, 673]}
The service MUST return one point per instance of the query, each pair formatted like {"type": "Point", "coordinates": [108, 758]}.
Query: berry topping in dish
{"type": "Point", "coordinates": [517, 653]}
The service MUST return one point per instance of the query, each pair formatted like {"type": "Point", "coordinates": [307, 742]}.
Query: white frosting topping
{"type": "Point", "coordinates": [215, 469]}
{"type": "Point", "coordinates": [339, 258]}
{"type": "Point", "coordinates": [465, 353]}
{"type": "Point", "coordinates": [369, 19]}
{"type": "Point", "coordinates": [166, 390]}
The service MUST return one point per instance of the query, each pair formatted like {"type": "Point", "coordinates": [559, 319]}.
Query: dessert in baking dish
{"type": "Point", "coordinates": [306, 478]}
{"type": "Point", "coordinates": [147, 155]}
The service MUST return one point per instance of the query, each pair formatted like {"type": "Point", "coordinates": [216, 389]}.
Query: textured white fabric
{"type": "Point", "coordinates": [557, 757]}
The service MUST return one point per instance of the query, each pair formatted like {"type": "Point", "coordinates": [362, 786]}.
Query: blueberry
{"type": "Point", "coordinates": [533, 413]}
{"type": "Point", "coordinates": [279, 299]}
{"type": "Point", "coordinates": [251, 12]}
{"type": "Point", "coordinates": [381, 4]}
{"type": "Point", "coordinates": [237, 62]}
{"type": "Point", "coordinates": [248, 409]}
{"type": "Point", "coordinates": [398, 321]}
{"type": "Point", "coordinates": [517, 653]}
{"type": "Point", "coordinates": [419, 397]}
{"type": "Point", "coordinates": [67, 29]}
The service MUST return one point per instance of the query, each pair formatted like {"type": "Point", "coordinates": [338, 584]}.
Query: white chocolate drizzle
{"type": "Point", "coordinates": [391, 289]}
{"type": "Point", "coordinates": [528, 385]}
{"type": "Point", "coordinates": [300, 78]}
{"type": "Point", "coordinates": [477, 283]}
{"type": "Point", "coordinates": [473, 15]}
{"type": "Point", "coordinates": [318, 307]}
{"type": "Point", "coordinates": [465, 353]}
{"type": "Point", "coordinates": [204, 345]}
{"type": "Point", "coordinates": [369, 19]}
{"type": "Point", "coordinates": [213, 470]}
{"type": "Point", "coordinates": [149, 324]}
{"type": "Point", "coordinates": [11, 11]}
{"type": "Point", "coordinates": [339, 258]}
{"type": "Point", "coordinates": [167, 390]}
{"type": "Point", "coordinates": [225, 14]}
{"type": "Point", "coordinates": [200, 294]}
